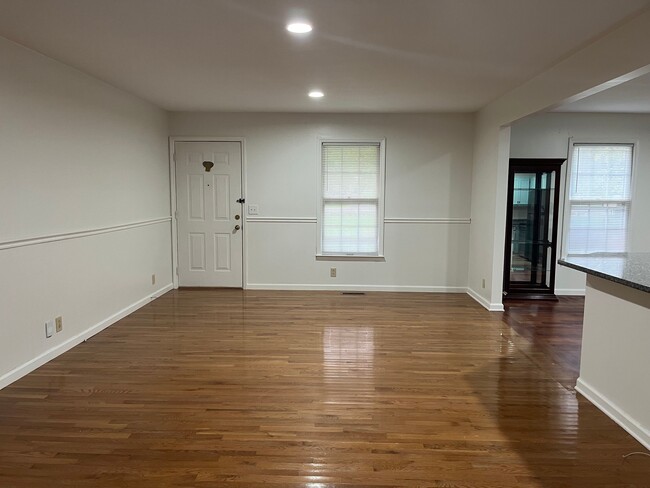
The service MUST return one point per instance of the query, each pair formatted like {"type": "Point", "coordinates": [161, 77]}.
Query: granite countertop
{"type": "Point", "coordinates": [630, 269]}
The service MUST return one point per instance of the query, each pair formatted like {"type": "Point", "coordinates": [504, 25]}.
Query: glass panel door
{"type": "Point", "coordinates": [523, 211]}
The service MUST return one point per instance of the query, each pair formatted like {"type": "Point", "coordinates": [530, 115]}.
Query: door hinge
{"type": "Point", "coordinates": [241, 200]}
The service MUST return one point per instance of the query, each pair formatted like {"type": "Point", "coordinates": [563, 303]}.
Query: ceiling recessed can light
{"type": "Point", "coordinates": [299, 27]}
{"type": "Point", "coordinates": [316, 94]}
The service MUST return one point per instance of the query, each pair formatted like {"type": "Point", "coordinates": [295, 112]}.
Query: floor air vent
{"type": "Point", "coordinates": [353, 293]}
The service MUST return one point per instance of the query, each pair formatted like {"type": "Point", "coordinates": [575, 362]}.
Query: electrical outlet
{"type": "Point", "coordinates": [49, 328]}
{"type": "Point", "coordinates": [332, 272]}
{"type": "Point", "coordinates": [59, 323]}
{"type": "Point", "coordinates": [483, 282]}
{"type": "Point", "coordinates": [153, 279]}
{"type": "Point", "coordinates": [253, 209]}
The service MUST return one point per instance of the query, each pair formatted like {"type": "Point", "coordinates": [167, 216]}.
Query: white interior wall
{"type": "Point", "coordinates": [614, 359]}
{"type": "Point", "coordinates": [615, 57]}
{"type": "Point", "coordinates": [428, 176]}
{"type": "Point", "coordinates": [486, 231]}
{"type": "Point", "coordinates": [84, 199]}
{"type": "Point", "coordinates": [547, 136]}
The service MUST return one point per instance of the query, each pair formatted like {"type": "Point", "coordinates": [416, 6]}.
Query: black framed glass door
{"type": "Point", "coordinates": [531, 228]}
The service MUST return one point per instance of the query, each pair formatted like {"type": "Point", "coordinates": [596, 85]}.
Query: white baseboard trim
{"type": "Point", "coordinates": [492, 307]}
{"type": "Point", "coordinates": [335, 287]}
{"type": "Point", "coordinates": [614, 412]}
{"type": "Point", "coordinates": [50, 354]}
{"type": "Point", "coordinates": [579, 292]}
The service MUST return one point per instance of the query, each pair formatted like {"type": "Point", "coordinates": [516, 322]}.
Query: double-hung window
{"type": "Point", "coordinates": [351, 199]}
{"type": "Point", "coordinates": [599, 197]}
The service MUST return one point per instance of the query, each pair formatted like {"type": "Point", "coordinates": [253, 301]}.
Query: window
{"type": "Point", "coordinates": [599, 198]}
{"type": "Point", "coordinates": [351, 209]}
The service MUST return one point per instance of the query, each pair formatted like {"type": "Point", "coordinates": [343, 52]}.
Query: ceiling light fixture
{"type": "Point", "coordinates": [316, 94]}
{"type": "Point", "coordinates": [299, 28]}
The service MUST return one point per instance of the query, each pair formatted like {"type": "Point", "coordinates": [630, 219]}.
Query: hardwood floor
{"type": "Point", "coordinates": [230, 388]}
{"type": "Point", "coordinates": [555, 328]}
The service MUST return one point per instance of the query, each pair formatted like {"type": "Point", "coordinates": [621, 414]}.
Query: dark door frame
{"type": "Point", "coordinates": [532, 166]}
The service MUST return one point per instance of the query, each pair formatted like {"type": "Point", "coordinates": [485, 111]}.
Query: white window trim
{"type": "Point", "coordinates": [566, 203]}
{"type": "Point", "coordinates": [380, 210]}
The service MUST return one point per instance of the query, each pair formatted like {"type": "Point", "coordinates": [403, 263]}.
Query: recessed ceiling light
{"type": "Point", "coordinates": [316, 94]}
{"type": "Point", "coordinates": [299, 27]}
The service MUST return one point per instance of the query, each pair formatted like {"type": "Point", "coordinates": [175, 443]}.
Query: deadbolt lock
{"type": "Point", "coordinates": [237, 217]}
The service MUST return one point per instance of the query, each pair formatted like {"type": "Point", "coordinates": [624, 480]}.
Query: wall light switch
{"type": "Point", "coordinates": [59, 324]}
{"type": "Point", "coordinates": [253, 209]}
{"type": "Point", "coordinates": [49, 328]}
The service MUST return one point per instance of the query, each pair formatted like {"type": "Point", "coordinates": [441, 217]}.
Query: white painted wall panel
{"type": "Point", "coordinates": [75, 155]}
{"type": "Point", "coordinates": [614, 360]}
{"type": "Point", "coordinates": [84, 280]}
{"type": "Point", "coordinates": [433, 258]}
{"type": "Point", "coordinates": [428, 175]}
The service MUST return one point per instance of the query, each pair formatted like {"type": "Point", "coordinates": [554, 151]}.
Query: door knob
{"type": "Point", "coordinates": [237, 227]}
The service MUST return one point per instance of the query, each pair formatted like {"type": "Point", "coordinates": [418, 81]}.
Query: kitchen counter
{"type": "Point", "coordinates": [629, 269]}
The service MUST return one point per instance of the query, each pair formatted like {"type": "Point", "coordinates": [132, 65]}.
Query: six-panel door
{"type": "Point", "coordinates": [209, 218]}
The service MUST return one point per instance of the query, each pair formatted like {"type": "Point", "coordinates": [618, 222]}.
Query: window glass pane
{"type": "Point", "coordinates": [599, 198]}
{"type": "Point", "coordinates": [350, 193]}
{"type": "Point", "coordinates": [350, 171]}
{"type": "Point", "coordinates": [598, 227]}
{"type": "Point", "coordinates": [349, 227]}
{"type": "Point", "coordinates": [601, 172]}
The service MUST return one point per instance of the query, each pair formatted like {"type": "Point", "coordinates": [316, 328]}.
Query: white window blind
{"type": "Point", "coordinates": [599, 198]}
{"type": "Point", "coordinates": [351, 198]}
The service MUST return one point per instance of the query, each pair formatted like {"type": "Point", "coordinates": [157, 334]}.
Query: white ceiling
{"type": "Point", "coordinates": [367, 55]}
{"type": "Point", "coordinates": [630, 97]}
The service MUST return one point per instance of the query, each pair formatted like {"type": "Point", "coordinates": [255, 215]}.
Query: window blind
{"type": "Point", "coordinates": [599, 198]}
{"type": "Point", "coordinates": [350, 198]}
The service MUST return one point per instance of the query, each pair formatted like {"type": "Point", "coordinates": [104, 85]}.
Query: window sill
{"type": "Point", "coordinates": [349, 257]}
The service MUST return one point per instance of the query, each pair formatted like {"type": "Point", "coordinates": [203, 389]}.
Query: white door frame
{"type": "Point", "coordinates": [172, 187]}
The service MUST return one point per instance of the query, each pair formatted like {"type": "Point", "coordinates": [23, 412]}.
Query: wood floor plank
{"type": "Point", "coordinates": [205, 388]}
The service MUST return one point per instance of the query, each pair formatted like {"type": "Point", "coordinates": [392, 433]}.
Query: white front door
{"type": "Point", "coordinates": [209, 218]}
